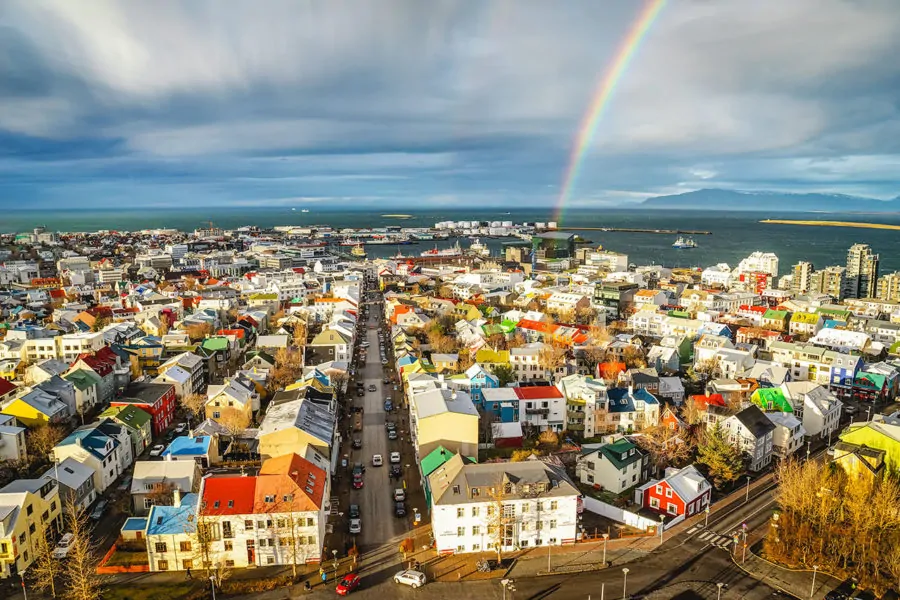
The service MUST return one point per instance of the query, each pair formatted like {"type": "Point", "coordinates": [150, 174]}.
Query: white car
{"type": "Point", "coordinates": [399, 495]}
{"type": "Point", "coordinates": [395, 458]}
{"type": "Point", "coordinates": [411, 578]}
{"type": "Point", "coordinates": [355, 526]}
{"type": "Point", "coordinates": [181, 428]}
{"type": "Point", "coordinates": [62, 548]}
{"type": "Point", "coordinates": [377, 460]}
{"type": "Point", "coordinates": [157, 450]}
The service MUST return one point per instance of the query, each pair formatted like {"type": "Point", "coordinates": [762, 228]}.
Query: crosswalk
{"type": "Point", "coordinates": [711, 537]}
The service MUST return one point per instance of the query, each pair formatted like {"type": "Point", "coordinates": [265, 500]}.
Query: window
{"type": "Point", "coordinates": [659, 489]}
{"type": "Point", "coordinates": [184, 546]}
{"type": "Point", "coordinates": [460, 548]}
{"type": "Point", "coordinates": [552, 524]}
{"type": "Point", "coordinates": [148, 502]}
{"type": "Point", "coordinates": [280, 523]}
{"type": "Point", "coordinates": [672, 509]}
{"type": "Point", "coordinates": [590, 465]}
{"type": "Point", "coordinates": [475, 511]}
{"type": "Point", "coordinates": [491, 510]}
{"type": "Point", "coordinates": [229, 546]}
{"type": "Point", "coordinates": [229, 563]}
{"type": "Point", "coordinates": [553, 504]}
{"type": "Point", "coordinates": [162, 565]}
{"type": "Point", "coordinates": [654, 503]}
{"type": "Point", "coordinates": [460, 531]}
{"type": "Point", "coordinates": [476, 547]}
{"type": "Point", "coordinates": [526, 508]}
{"type": "Point", "coordinates": [539, 525]}
{"type": "Point", "coordinates": [53, 505]}
{"type": "Point", "coordinates": [475, 492]}
{"type": "Point", "coordinates": [270, 498]}
{"type": "Point", "coordinates": [248, 524]}
{"type": "Point", "coordinates": [668, 492]}
{"type": "Point", "coordinates": [460, 513]}
{"type": "Point", "coordinates": [476, 530]}
{"type": "Point", "coordinates": [310, 522]}
{"type": "Point", "coordinates": [187, 564]}
{"type": "Point", "coordinates": [226, 529]}
{"type": "Point", "coordinates": [509, 511]}
{"type": "Point", "coordinates": [216, 414]}
{"type": "Point", "coordinates": [590, 478]}
{"type": "Point", "coordinates": [29, 509]}
{"type": "Point", "coordinates": [260, 524]}
{"type": "Point", "coordinates": [160, 547]}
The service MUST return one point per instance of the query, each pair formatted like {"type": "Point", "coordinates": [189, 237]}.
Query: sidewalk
{"type": "Point", "coordinates": [579, 557]}
{"type": "Point", "coordinates": [796, 582]}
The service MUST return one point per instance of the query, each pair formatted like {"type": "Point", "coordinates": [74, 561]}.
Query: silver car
{"type": "Point", "coordinates": [411, 578]}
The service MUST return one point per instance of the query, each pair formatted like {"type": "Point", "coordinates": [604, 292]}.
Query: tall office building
{"type": "Point", "coordinates": [889, 287]}
{"type": "Point", "coordinates": [831, 281]}
{"type": "Point", "coordinates": [802, 272]}
{"type": "Point", "coordinates": [862, 271]}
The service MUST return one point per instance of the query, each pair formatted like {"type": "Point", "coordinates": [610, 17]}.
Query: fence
{"type": "Point", "coordinates": [619, 515]}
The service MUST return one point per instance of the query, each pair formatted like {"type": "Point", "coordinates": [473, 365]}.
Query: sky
{"type": "Point", "coordinates": [413, 104]}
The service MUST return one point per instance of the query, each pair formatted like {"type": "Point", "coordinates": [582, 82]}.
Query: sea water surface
{"type": "Point", "coordinates": [734, 234]}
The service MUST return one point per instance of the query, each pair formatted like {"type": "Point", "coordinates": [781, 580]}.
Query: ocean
{"type": "Point", "coordinates": [734, 234]}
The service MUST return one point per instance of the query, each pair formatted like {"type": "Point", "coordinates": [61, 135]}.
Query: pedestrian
{"type": "Point", "coordinates": [187, 573]}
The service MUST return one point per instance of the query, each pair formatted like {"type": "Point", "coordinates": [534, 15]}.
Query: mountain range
{"type": "Point", "coordinates": [716, 199]}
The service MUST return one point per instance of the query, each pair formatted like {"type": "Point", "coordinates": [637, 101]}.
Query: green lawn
{"type": "Point", "coordinates": [169, 591]}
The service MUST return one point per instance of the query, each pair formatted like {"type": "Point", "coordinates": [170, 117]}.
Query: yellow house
{"type": "Point", "coordinates": [11, 368]}
{"type": "Point", "coordinates": [490, 359]}
{"type": "Point", "coordinates": [239, 393]}
{"type": "Point", "coordinates": [28, 508]}
{"type": "Point", "coordinates": [36, 407]}
{"type": "Point", "coordinates": [445, 362]}
{"type": "Point", "coordinates": [299, 427]}
{"type": "Point", "coordinates": [443, 417]}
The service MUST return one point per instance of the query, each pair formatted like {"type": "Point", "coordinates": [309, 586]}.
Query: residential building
{"type": "Point", "coordinates": [862, 271]}
{"type": "Point", "coordinates": [788, 435]}
{"type": "Point", "coordinates": [151, 480]}
{"type": "Point", "coordinates": [753, 434]}
{"type": "Point", "coordinates": [173, 543]}
{"type": "Point", "coordinates": [763, 262]}
{"type": "Point", "coordinates": [481, 507]}
{"type": "Point", "coordinates": [817, 408]}
{"type": "Point", "coordinates": [136, 421]}
{"type": "Point", "coordinates": [103, 446]}
{"type": "Point", "coordinates": [616, 466]}
{"type": "Point", "coordinates": [631, 410]}
{"type": "Point", "coordinates": [86, 384]}
{"type": "Point", "coordinates": [198, 449]}
{"type": "Point", "coordinates": [681, 493]}
{"type": "Point", "coordinates": [878, 436]}
{"type": "Point", "coordinates": [889, 287]}
{"type": "Point", "coordinates": [805, 324]}
{"type": "Point", "coordinates": [831, 281]}
{"type": "Point", "coordinates": [300, 427]}
{"type": "Point", "coordinates": [76, 482]}
{"type": "Point", "coordinates": [801, 282]}
{"type": "Point", "coordinates": [158, 399]}
{"type": "Point", "coordinates": [12, 439]}
{"type": "Point", "coordinates": [443, 417]}
{"type": "Point", "coordinates": [29, 508]}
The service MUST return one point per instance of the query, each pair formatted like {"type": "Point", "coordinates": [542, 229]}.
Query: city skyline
{"type": "Point", "coordinates": [185, 104]}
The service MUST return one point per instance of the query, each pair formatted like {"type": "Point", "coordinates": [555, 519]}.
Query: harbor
{"type": "Point", "coordinates": [636, 230]}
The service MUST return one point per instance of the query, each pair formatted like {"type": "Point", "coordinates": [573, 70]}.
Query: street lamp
{"type": "Point", "coordinates": [747, 497]}
{"type": "Point", "coordinates": [813, 588]}
{"type": "Point", "coordinates": [662, 529]}
{"type": "Point", "coordinates": [22, 577]}
{"type": "Point", "coordinates": [507, 584]}
{"type": "Point", "coordinates": [605, 539]}
{"type": "Point", "coordinates": [719, 596]}
{"type": "Point", "coordinates": [624, 582]}
{"type": "Point", "coordinates": [334, 554]}
{"type": "Point", "coordinates": [212, 584]}
{"type": "Point", "coordinates": [706, 510]}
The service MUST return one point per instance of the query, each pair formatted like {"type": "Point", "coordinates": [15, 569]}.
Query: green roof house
{"type": "Point", "coordinates": [771, 400]}
{"type": "Point", "coordinates": [136, 421]}
{"type": "Point", "coordinates": [87, 388]}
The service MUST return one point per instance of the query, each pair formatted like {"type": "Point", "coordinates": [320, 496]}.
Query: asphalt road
{"type": "Point", "coordinates": [379, 525]}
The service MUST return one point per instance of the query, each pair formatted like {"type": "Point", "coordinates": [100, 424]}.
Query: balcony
{"type": "Point", "coordinates": [537, 411]}
{"type": "Point", "coordinates": [575, 414]}
{"type": "Point", "coordinates": [575, 426]}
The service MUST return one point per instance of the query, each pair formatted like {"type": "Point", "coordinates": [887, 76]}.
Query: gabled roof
{"type": "Point", "coordinates": [228, 495]}
{"type": "Point", "coordinates": [173, 520]}
{"type": "Point", "coordinates": [755, 421]}
{"type": "Point", "coordinates": [542, 392]}
{"type": "Point", "coordinates": [6, 386]}
{"type": "Point", "coordinates": [614, 452]}
{"type": "Point", "coordinates": [82, 379]}
{"type": "Point", "coordinates": [704, 400]}
{"type": "Point", "coordinates": [129, 415]}
{"type": "Point", "coordinates": [621, 401]}
{"type": "Point", "coordinates": [180, 473]}
{"type": "Point", "coordinates": [294, 476]}
{"type": "Point", "coordinates": [185, 445]}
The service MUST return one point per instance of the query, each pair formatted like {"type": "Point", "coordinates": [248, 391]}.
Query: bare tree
{"type": "Point", "coordinates": [634, 357]}
{"type": "Point", "coordinates": [203, 534]}
{"type": "Point", "coordinates": [288, 367]}
{"type": "Point", "coordinates": [194, 404]}
{"type": "Point", "coordinates": [664, 447]}
{"type": "Point", "coordinates": [692, 412]}
{"type": "Point", "coordinates": [43, 438]}
{"type": "Point", "coordinates": [198, 331]}
{"type": "Point", "coordinates": [162, 493]}
{"type": "Point", "coordinates": [79, 569]}
{"type": "Point", "coordinates": [550, 358]}
{"type": "Point", "coordinates": [299, 334]}
{"type": "Point", "coordinates": [234, 420]}
{"type": "Point", "coordinates": [708, 368]}
{"type": "Point", "coordinates": [289, 523]}
{"type": "Point", "coordinates": [46, 568]}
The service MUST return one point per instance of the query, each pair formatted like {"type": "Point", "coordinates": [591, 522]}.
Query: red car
{"type": "Point", "coordinates": [357, 482]}
{"type": "Point", "coordinates": [348, 584]}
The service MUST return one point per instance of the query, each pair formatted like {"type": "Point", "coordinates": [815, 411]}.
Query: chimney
{"type": "Point", "coordinates": [176, 501]}
{"type": "Point", "coordinates": [169, 457]}
{"type": "Point", "coordinates": [630, 390]}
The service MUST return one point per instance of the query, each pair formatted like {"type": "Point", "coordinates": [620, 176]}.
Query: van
{"type": "Point", "coordinates": [62, 548]}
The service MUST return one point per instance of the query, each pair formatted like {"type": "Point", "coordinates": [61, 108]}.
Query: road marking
{"type": "Point", "coordinates": [693, 529]}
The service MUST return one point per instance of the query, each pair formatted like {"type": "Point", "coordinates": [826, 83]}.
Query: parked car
{"type": "Point", "coordinates": [354, 511]}
{"type": "Point", "coordinates": [377, 460]}
{"type": "Point", "coordinates": [399, 495]}
{"type": "Point", "coordinates": [358, 469]}
{"type": "Point", "coordinates": [358, 482]}
{"type": "Point", "coordinates": [392, 434]}
{"type": "Point", "coordinates": [396, 471]}
{"type": "Point", "coordinates": [372, 387]}
{"type": "Point", "coordinates": [157, 450]}
{"type": "Point", "coordinates": [99, 509]}
{"type": "Point", "coordinates": [181, 428]}
{"type": "Point", "coordinates": [385, 380]}
{"type": "Point", "coordinates": [395, 457]}
{"type": "Point", "coordinates": [355, 525]}
{"type": "Point", "coordinates": [388, 406]}
{"type": "Point", "coordinates": [62, 547]}
{"type": "Point", "coordinates": [348, 584]}
{"type": "Point", "coordinates": [357, 443]}
{"type": "Point", "coordinates": [125, 484]}
{"type": "Point", "coordinates": [360, 393]}
{"type": "Point", "coordinates": [390, 425]}
{"type": "Point", "coordinates": [399, 509]}
{"type": "Point", "coordinates": [411, 578]}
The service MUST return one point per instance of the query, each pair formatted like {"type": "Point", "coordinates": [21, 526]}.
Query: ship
{"type": "Point", "coordinates": [309, 244]}
{"type": "Point", "coordinates": [358, 251]}
{"type": "Point", "coordinates": [478, 248]}
{"type": "Point", "coordinates": [684, 244]}
{"type": "Point", "coordinates": [351, 242]}
{"type": "Point", "coordinates": [306, 210]}
{"type": "Point", "coordinates": [450, 252]}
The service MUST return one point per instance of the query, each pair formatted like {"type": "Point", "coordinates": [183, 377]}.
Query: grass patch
{"type": "Point", "coordinates": [167, 591]}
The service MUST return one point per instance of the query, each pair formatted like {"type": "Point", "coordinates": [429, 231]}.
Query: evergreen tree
{"type": "Point", "coordinates": [722, 460]}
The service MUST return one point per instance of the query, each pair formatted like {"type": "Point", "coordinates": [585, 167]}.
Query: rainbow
{"type": "Point", "coordinates": [602, 97]}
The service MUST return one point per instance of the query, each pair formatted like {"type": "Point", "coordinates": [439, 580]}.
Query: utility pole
{"type": "Point", "coordinates": [625, 583]}
{"type": "Point", "coordinates": [605, 539]}
{"type": "Point", "coordinates": [813, 588]}
{"type": "Point", "coordinates": [706, 524]}
{"type": "Point", "coordinates": [747, 497]}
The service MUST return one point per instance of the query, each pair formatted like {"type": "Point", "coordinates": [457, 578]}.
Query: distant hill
{"type": "Point", "coordinates": [714, 199]}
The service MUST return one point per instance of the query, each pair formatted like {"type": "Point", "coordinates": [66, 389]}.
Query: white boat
{"type": "Point", "coordinates": [478, 248]}
{"type": "Point", "coordinates": [684, 244]}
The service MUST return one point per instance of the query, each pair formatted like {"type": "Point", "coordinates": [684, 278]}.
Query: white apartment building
{"type": "Point", "coordinates": [763, 262]}
{"type": "Point", "coordinates": [72, 345]}
{"type": "Point", "coordinates": [478, 507]}
{"type": "Point", "coordinates": [719, 275]}
{"type": "Point", "coordinates": [788, 435]}
{"type": "Point", "coordinates": [526, 364]}
{"type": "Point", "coordinates": [752, 432]}
{"type": "Point", "coordinates": [818, 409]}
{"type": "Point", "coordinates": [104, 446]}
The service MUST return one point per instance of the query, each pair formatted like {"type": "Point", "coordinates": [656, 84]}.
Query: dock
{"type": "Point", "coordinates": [632, 230]}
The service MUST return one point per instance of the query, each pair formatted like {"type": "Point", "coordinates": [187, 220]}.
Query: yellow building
{"type": "Point", "coordinates": [36, 407]}
{"type": "Point", "coordinates": [443, 417]}
{"type": "Point", "coordinates": [28, 508]}
{"type": "Point", "coordinates": [301, 427]}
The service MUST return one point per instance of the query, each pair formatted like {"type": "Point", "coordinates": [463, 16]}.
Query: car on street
{"type": "Point", "coordinates": [383, 361]}
{"type": "Point", "coordinates": [357, 443]}
{"type": "Point", "coordinates": [358, 482]}
{"type": "Point", "coordinates": [354, 511]}
{"type": "Point", "coordinates": [355, 525]}
{"type": "Point", "coordinates": [377, 460]}
{"type": "Point", "coordinates": [99, 509]}
{"type": "Point", "coordinates": [358, 469]}
{"type": "Point", "coordinates": [385, 380]}
{"type": "Point", "coordinates": [360, 393]}
{"type": "Point", "coordinates": [388, 406]}
{"type": "Point", "coordinates": [390, 425]}
{"type": "Point", "coordinates": [411, 578]}
{"type": "Point", "coordinates": [63, 546]}
{"type": "Point", "coordinates": [396, 471]}
{"type": "Point", "coordinates": [157, 450]}
{"type": "Point", "coordinates": [399, 509]}
{"type": "Point", "coordinates": [364, 345]}
{"type": "Point", "coordinates": [372, 387]}
{"type": "Point", "coordinates": [850, 409]}
{"type": "Point", "coordinates": [125, 484]}
{"type": "Point", "coordinates": [399, 495]}
{"type": "Point", "coordinates": [181, 428]}
{"type": "Point", "coordinates": [395, 457]}
{"type": "Point", "coordinates": [392, 434]}
{"type": "Point", "coordinates": [348, 584]}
